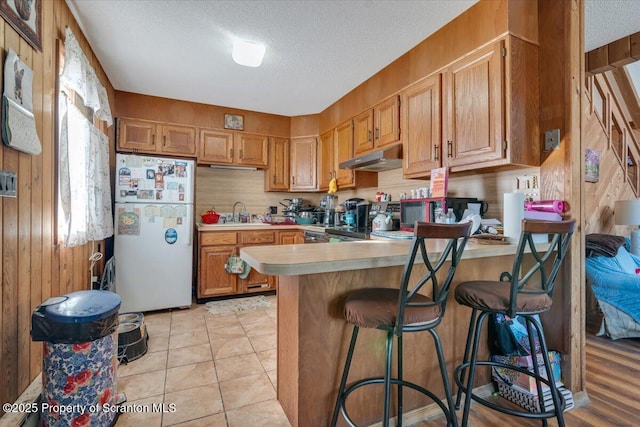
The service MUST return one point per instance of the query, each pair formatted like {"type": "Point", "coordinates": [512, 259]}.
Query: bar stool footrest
{"type": "Point", "coordinates": [380, 380]}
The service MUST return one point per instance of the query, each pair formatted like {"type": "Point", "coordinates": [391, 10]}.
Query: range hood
{"type": "Point", "coordinates": [376, 161]}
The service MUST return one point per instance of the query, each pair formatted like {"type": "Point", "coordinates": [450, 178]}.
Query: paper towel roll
{"type": "Point", "coordinates": [513, 214]}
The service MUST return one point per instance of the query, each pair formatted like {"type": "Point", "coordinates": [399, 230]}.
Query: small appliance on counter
{"type": "Point", "coordinates": [328, 203]}
{"type": "Point", "coordinates": [385, 216]}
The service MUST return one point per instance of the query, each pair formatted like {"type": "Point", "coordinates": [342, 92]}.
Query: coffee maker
{"type": "Point", "coordinates": [360, 208]}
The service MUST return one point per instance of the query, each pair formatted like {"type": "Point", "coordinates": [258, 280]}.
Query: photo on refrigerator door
{"type": "Point", "coordinates": [129, 222]}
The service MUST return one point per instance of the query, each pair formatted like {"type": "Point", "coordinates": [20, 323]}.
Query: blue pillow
{"type": "Point", "coordinates": [625, 261]}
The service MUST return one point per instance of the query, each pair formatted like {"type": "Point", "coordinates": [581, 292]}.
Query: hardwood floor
{"type": "Point", "coordinates": [612, 369]}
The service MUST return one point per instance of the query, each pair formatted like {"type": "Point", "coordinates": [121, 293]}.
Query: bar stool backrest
{"type": "Point", "coordinates": [456, 237]}
{"type": "Point", "coordinates": [561, 232]}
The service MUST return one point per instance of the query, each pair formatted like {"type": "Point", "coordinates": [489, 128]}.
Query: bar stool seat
{"type": "Point", "coordinates": [402, 310]}
{"type": "Point", "coordinates": [378, 307]}
{"type": "Point", "coordinates": [516, 294]}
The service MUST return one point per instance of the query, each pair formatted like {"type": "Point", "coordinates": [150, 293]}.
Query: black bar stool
{"type": "Point", "coordinates": [403, 310]}
{"type": "Point", "coordinates": [513, 295]}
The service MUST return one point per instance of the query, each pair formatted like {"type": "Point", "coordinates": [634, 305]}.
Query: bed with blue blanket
{"type": "Point", "coordinates": [616, 285]}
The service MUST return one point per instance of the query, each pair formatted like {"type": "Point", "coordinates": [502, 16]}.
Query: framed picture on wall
{"type": "Point", "coordinates": [25, 16]}
{"type": "Point", "coordinates": [233, 121]}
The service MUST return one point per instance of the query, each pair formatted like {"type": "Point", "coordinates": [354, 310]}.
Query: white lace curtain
{"type": "Point", "coordinates": [84, 183]}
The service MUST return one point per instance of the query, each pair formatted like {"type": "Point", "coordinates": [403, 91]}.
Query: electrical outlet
{"type": "Point", "coordinates": [552, 139]}
{"type": "Point", "coordinates": [8, 183]}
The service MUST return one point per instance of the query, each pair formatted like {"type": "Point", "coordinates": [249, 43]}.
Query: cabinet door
{"type": "Point", "coordinates": [386, 122]}
{"type": "Point", "coordinates": [251, 150]}
{"type": "Point", "coordinates": [137, 135]}
{"type": "Point", "coordinates": [363, 132]}
{"type": "Point", "coordinates": [179, 140]}
{"type": "Point", "coordinates": [257, 282]}
{"type": "Point", "coordinates": [276, 177]}
{"type": "Point", "coordinates": [474, 108]}
{"type": "Point", "coordinates": [291, 237]}
{"type": "Point", "coordinates": [213, 279]}
{"type": "Point", "coordinates": [303, 163]}
{"type": "Point", "coordinates": [215, 146]}
{"type": "Point", "coordinates": [422, 127]}
{"type": "Point", "coordinates": [326, 160]}
{"type": "Point", "coordinates": [344, 151]}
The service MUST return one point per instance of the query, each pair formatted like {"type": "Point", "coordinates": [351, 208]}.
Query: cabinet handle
{"type": "Point", "coordinates": [369, 135]}
{"type": "Point", "coordinates": [153, 140]}
{"type": "Point", "coordinates": [164, 141]}
{"type": "Point", "coordinates": [231, 153]}
{"type": "Point", "coordinates": [293, 180]}
{"type": "Point", "coordinates": [449, 148]}
{"type": "Point", "coordinates": [274, 180]}
{"type": "Point", "coordinates": [241, 154]}
{"type": "Point", "coordinates": [377, 133]}
{"type": "Point", "coordinates": [436, 148]}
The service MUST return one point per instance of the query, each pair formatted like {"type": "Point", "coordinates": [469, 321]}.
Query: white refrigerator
{"type": "Point", "coordinates": [153, 243]}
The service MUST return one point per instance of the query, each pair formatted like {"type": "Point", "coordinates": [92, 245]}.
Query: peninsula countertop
{"type": "Point", "coordinates": [292, 260]}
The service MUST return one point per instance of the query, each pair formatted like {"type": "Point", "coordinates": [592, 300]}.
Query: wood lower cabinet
{"type": "Point", "coordinates": [145, 136]}
{"type": "Point", "coordinates": [290, 237]}
{"type": "Point", "coordinates": [215, 248]}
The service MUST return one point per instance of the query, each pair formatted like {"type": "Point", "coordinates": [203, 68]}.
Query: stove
{"type": "Point", "coordinates": [336, 234]}
{"type": "Point", "coordinates": [345, 231]}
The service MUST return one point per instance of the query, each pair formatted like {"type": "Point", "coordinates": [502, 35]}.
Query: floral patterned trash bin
{"type": "Point", "coordinates": [79, 367]}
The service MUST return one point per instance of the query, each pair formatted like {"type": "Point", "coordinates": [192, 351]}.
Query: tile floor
{"type": "Point", "coordinates": [216, 370]}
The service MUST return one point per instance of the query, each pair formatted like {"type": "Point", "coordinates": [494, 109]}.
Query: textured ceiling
{"type": "Point", "coordinates": [317, 51]}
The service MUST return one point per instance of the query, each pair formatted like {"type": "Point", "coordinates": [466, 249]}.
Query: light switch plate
{"type": "Point", "coordinates": [551, 139]}
{"type": "Point", "coordinates": [8, 183]}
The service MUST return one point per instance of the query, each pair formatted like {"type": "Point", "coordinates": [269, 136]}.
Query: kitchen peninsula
{"type": "Point", "coordinates": [313, 282]}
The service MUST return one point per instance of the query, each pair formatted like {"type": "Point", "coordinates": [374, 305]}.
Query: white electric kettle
{"type": "Point", "coordinates": [382, 222]}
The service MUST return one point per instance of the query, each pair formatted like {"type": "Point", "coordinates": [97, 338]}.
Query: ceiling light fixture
{"type": "Point", "coordinates": [248, 53]}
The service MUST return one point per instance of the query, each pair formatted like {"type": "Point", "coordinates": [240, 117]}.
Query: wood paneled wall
{"type": "Point", "coordinates": [34, 265]}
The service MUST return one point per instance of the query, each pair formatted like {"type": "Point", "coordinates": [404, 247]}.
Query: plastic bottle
{"type": "Point", "coordinates": [450, 218]}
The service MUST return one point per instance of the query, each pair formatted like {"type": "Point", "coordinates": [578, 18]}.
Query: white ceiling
{"type": "Point", "coordinates": [317, 51]}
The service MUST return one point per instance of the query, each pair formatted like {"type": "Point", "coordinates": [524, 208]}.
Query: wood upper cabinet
{"type": "Point", "coordinates": [251, 150]}
{"type": "Point", "coordinates": [377, 127]}
{"type": "Point", "coordinates": [276, 177]}
{"type": "Point", "coordinates": [490, 110]}
{"type": "Point", "coordinates": [215, 146]}
{"type": "Point", "coordinates": [151, 137]}
{"type": "Point", "coordinates": [343, 151]}
{"type": "Point", "coordinates": [232, 148]}
{"type": "Point", "coordinates": [303, 164]}
{"type": "Point", "coordinates": [326, 159]}
{"type": "Point", "coordinates": [421, 124]}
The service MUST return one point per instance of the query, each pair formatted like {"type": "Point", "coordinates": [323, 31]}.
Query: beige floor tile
{"type": "Point", "coordinates": [141, 413]}
{"type": "Point", "coordinates": [273, 376]}
{"type": "Point", "coordinates": [253, 316]}
{"type": "Point", "coordinates": [247, 390]}
{"type": "Point", "coordinates": [226, 332]}
{"type": "Point", "coordinates": [269, 359]}
{"type": "Point", "coordinates": [192, 403]}
{"type": "Point", "coordinates": [186, 339]}
{"type": "Point", "coordinates": [149, 362]}
{"type": "Point", "coordinates": [189, 355]}
{"type": "Point", "coordinates": [141, 386]}
{"type": "Point", "coordinates": [260, 328]}
{"type": "Point", "coordinates": [158, 342]}
{"type": "Point", "coordinates": [267, 413]}
{"type": "Point", "coordinates": [231, 347]}
{"type": "Point", "coordinates": [187, 324]}
{"type": "Point", "coordinates": [158, 321]}
{"type": "Point", "coordinates": [218, 420]}
{"type": "Point", "coordinates": [182, 315]}
{"type": "Point", "coordinates": [264, 342]}
{"type": "Point", "coordinates": [190, 376]}
{"type": "Point", "coordinates": [238, 366]}
{"type": "Point", "coordinates": [221, 320]}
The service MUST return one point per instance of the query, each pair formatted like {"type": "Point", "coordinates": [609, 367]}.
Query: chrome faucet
{"type": "Point", "coordinates": [244, 209]}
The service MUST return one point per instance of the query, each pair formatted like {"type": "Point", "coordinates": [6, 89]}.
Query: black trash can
{"type": "Point", "coordinates": [79, 366]}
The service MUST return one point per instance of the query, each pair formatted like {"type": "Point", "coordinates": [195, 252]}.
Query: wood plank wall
{"type": "Point", "coordinates": [34, 266]}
